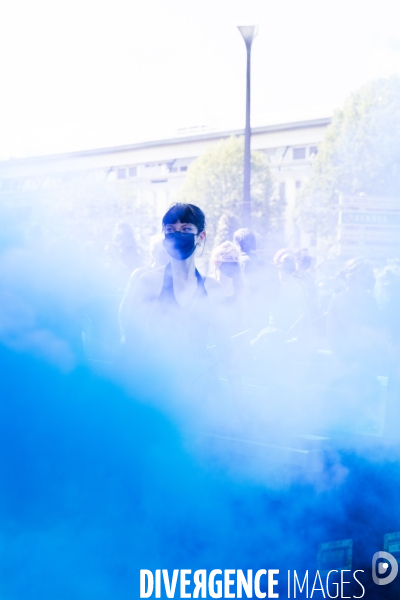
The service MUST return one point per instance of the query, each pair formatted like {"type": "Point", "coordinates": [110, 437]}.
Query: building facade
{"type": "Point", "coordinates": [157, 169]}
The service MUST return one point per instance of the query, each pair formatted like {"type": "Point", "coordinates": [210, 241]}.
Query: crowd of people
{"type": "Point", "coordinates": [88, 453]}
{"type": "Point", "coordinates": [280, 322]}
{"type": "Point", "coordinates": [287, 324]}
{"type": "Point", "coordinates": [289, 300]}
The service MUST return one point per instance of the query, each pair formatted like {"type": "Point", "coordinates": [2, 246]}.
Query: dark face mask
{"type": "Point", "coordinates": [179, 245]}
{"type": "Point", "coordinates": [230, 269]}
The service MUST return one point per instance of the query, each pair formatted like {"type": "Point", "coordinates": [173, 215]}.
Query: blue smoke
{"type": "Point", "coordinates": [100, 479]}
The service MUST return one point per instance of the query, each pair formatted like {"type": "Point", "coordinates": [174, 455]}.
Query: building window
{"type": "Point", "coordinates": [183, 169]}
{"type": "Point", "coordinates": [121, 173]}
{"type": "Point", "coordinates": [299, 153]}
{"type": "Point", "coordinates": [298, 185]}
{"type": "Point", "coordinates": [132, 171]}
{"type": "Point", "coordinates": [173, 169]}
{"type": "Point", "coordinates": [313, 150]}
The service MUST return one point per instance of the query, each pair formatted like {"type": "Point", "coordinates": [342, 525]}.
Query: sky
{"type": "Point", "coordinates": [83, 74]}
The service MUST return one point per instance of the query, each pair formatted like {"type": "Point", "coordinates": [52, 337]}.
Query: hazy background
{"type": "Point", "coordinates": [85, 460]}
{"type": "Point", "coordinates": [84, 74]}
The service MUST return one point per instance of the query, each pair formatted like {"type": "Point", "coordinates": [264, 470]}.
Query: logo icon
{"type": "Point", "coordinates": [383, 566]}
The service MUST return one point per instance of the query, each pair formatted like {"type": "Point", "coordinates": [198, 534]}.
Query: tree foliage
{"type": "Point", "coordinates": [215, 183]}
{"type": "Point", "coordinates": [360, 154]}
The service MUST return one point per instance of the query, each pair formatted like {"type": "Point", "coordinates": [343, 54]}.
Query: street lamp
{"type": "Point", "coordinates": [248, 32]}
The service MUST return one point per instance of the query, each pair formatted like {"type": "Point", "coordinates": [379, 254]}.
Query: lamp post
{"type": "Point", "coordinates": [248, 32]}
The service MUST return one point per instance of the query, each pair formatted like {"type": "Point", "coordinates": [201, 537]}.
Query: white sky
{"type": "Point", "coordinates": [79, 74]}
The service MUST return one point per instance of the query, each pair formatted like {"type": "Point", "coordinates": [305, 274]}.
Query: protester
{"type": "Point", "coordinates": [289, 311]}
{"type": "Point", "coordinates": [245, 241]}
{"type": "Point", "coordinates": [158, 258]}
{"type": "Point", "coordinates": [355, 330]}
{"type": "Point", "coordinates": [304, 264]}
{"type": "Point", "coordinates": [121, 255]}
{"type": "Point", "coordinates": [178, 312]}
{"type": "Point", "coordinates": [283, 346]}
{"type": "Point", "coordinates": [225, 268]}
{"type": "Point", "coordinates": [259, 278]}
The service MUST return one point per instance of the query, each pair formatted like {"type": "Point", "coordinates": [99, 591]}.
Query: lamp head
{"type": "Point", "coordinates": [248, 32]}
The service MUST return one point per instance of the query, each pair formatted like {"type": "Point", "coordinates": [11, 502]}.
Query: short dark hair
{"type": "Point", "coordinates": [185, 213]}
{"type": "Point", "coordinates": [245, 239]}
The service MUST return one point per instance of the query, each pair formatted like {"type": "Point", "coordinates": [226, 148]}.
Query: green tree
{"type": "Point", "coordinates": [360, 154]}
{"type": "Point", "coordinates": [215, 183]}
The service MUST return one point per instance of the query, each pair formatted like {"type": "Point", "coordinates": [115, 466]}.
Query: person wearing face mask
{"type": "Point", "coordinates": [177, 310]}
{"type": "Point", "coordinates": [158, 258]}
{"type": "Point", "coordinates": [225, 268]}
{"type": "Point", "coordinates": [289, 312]}
{"type": "Point", "coordinates": [260, 280]}
{"type": "Point", "coordinates": [304, 264]}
